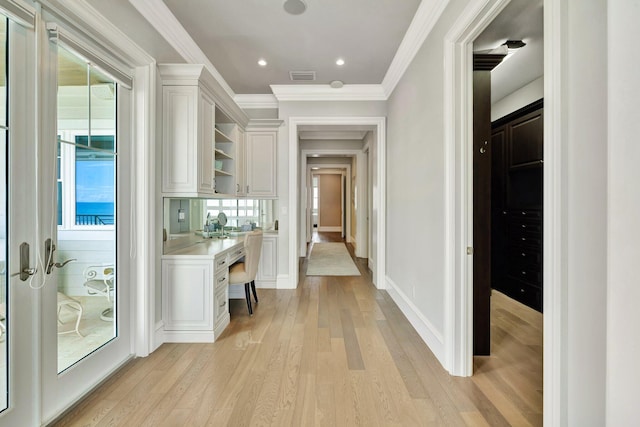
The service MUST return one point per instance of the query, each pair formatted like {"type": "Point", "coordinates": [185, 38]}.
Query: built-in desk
{"type": "Point", "coordinates": [195, 287]}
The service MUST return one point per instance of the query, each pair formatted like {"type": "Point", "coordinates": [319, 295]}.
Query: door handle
{"type": "Point", "coordinates": [25, 270]}
{"type": "Point", "coordinates": [49, 248]}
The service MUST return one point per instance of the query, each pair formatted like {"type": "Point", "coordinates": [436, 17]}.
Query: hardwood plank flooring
{"type": "Point", "coordinates": [333, 352]}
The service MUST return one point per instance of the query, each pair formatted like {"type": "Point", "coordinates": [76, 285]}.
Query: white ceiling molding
{"type": "Point", "coordinates": [257, 124]}
{"type": "Point", "coordinates": [364, 92]}
{"type": "Point", "coordinates": [426, 16]}
{"type": "Point", "coordinates": [332, 135]}
{"type": "Point", "coordinates": [196, 74]}
{"type": "Point", "coordinates": [161, 18]}
{"type": "Point", "coordinates": [256, 101]}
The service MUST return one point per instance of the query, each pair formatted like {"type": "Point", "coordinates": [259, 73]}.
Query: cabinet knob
{"type": "Point", "coordinates": [247, 189]}
{"type": "Point", "coordinates": [523, 239]}
{"type": "Point", "coordinates": [524, 273]}
{"type": "Point", "coordinates": [523, 254]}
{"type": "Point", "coordinates": [523, 226]}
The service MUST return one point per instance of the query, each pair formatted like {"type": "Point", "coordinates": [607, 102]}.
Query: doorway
{"type": "Point", "coordinates": [507, 163]}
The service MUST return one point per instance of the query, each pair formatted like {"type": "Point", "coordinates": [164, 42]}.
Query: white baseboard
{"type": "Point", "coordinates": [284, 282]}
{"type": "Point", "coordinates": [429, 334]}
{"type": "Point", "coordinates": [158, 336]}
{"type": "Point", "coordinates": [189, 336]}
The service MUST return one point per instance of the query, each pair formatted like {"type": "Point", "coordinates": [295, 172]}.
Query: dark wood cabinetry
{"type": "Point", "coordinates": [516, 200]}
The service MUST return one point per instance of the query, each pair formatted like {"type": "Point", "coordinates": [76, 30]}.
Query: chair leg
{"type": "Point", "coordinates": [253, 289]}
{"type": "Point", "coordinates": [248, 296]}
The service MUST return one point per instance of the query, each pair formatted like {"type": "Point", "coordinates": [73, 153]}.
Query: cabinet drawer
{"type": "Point", "coordinates": [221, 279]}
{"type": "Point", "coordinates": [221, 263]}
{"type": "Point", "coordinates": [531, 275]}
{"type": "Point", "coordinates": [524, 256]}
{"type": "Point", "coordinates": [236, 255]}
{"type": "Point", "coordinates": [528, 295]}
{"type": "Point", "coordinates": [220, 304]}
{"type": "Point", "coordinates": [525, 228]}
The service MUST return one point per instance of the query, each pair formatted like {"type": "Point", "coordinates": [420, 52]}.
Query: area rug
{"type": "Point", "coordinates": [331, 259]}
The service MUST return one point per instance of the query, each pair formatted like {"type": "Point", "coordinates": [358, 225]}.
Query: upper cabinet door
{"type": "Point", "coordinates": [261, 163]}
{"type": "Point", "coordinates": [187, 141]}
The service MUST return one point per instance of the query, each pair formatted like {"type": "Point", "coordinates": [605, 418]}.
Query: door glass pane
{"type": "Point", "coordinates": [87, 288]}
{"type": "Point", "coordinates": [3, 216]}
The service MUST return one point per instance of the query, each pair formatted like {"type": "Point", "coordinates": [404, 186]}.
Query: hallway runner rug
{"type": "Point", "coordinates": [331, 259]}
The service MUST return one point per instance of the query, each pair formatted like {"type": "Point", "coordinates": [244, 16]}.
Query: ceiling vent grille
{"type": "Point", "coordinates": [302, 76]}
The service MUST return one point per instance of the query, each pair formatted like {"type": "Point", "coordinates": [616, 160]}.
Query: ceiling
{"type": "Point", "coordinates": [234, 34]}
{"type": "Point", "coordinates": [519, 20]}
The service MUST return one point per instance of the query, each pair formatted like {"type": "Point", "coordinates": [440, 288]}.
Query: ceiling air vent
{"type": "Point", "coordinates": [302, 76]}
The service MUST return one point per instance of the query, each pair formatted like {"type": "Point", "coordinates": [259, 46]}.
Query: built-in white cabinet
{"type": "Point", "coordinates": [260, 157]}
{"type": "Point", "coordinates": [268, 266]}
{"type": "Point", "coordinates": [187, 294]}
{"type": "Point", "coordinates": [187, 143]}
{"type": "Point", "coordinates": [195, 294]}
{"type": "Point", "coordinates": [200, 141]}
{"type": "Point", "coordinates": [241, 164]}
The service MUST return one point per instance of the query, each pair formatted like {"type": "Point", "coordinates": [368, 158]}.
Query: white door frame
{"type": "Point", "coordinates": [459, 207]}
{"type": "Point", "coordinates": [297, 190]}
{"type": "Point", "coordinates": [323, 169]}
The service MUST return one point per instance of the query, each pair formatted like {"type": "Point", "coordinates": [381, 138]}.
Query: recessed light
{"type": "Point", "coordinates": [262, 63]}
{"type": "Point", "coordinates": [294, 7]}
{"type": "Point", "coordinates": [340, 61]}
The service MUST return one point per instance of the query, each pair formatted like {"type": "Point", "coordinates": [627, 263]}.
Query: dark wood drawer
{"type": "Point", "coordinates": [529, 274]}
{"type": "Point", "coordinates": [525, 257]}
{"type": "Point", "coordinates": [530, 296]}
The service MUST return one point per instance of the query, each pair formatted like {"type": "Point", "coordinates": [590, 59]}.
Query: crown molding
{"type": "Point", "coordinates": [264, 124]}
{"type": "Point", "coordinates": [425, 19]}
{"type": "Point", "coordinates": [161, 18]}
{"type": "Point", "coordinates": [332, 135]}
{"type": "Point", "coordinates": [249, 101]}
{"type": "Point", "coordinates": [327, 93]}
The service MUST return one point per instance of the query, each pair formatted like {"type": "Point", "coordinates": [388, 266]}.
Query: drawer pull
{"type": "Point", "coordinates": [521, 291]}
{"type": "Point", "coordinates": [524, 273]}
{"type": "Point", "coordinates": [222, 279]}
{"type": "Point", "coordinates": [222, 263]}
{"type": "Point", "coordinates": [524, 238]}
{"type": "Point", "coordinates": [524, 226]}
{"type": "Point", "coordinates": [223, 304]}
{"type": "Point", "coordinates": [524, 213]}
{"type": "Point", "coordinates": [523, 254]}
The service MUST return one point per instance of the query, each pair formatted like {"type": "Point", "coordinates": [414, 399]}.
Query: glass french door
{"type": "Point", "coordinates": [86, 309]}
{"type": "Point", "coordinates": [64, 204]}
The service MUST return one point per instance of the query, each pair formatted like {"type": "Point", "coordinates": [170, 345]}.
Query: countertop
{"type": "Point", "coordinates": [194, 245]}
{"type": "Point", "coordinates": [199, 247]}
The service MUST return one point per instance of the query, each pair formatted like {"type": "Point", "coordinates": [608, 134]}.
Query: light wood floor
{"type": "Point", "coordinates": [334, 351]}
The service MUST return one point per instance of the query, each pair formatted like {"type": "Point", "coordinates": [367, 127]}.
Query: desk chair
{"type": "Point", "coordinates": [245, 272]}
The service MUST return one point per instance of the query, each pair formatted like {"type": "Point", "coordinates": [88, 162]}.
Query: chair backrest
{"type": "Point", "coordinates": [253, 247]}
{"type": "Point", "coordinates": [103, 272]}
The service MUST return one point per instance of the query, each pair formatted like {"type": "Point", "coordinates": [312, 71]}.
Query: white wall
{"type": "Point", "coordinates": [623, 293]}
{"type": "Point", "coordinates": [307, 109]}
{"type": "Point", "coordinates": [522, 97]}
{"type": "Point", "coordinates": [415, 183]}
{"type": "Point", "coordinates": [584, 77]}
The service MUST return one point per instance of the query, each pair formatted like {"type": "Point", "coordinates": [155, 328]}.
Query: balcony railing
{"type": "Point", "coordinates": [94, 219]}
